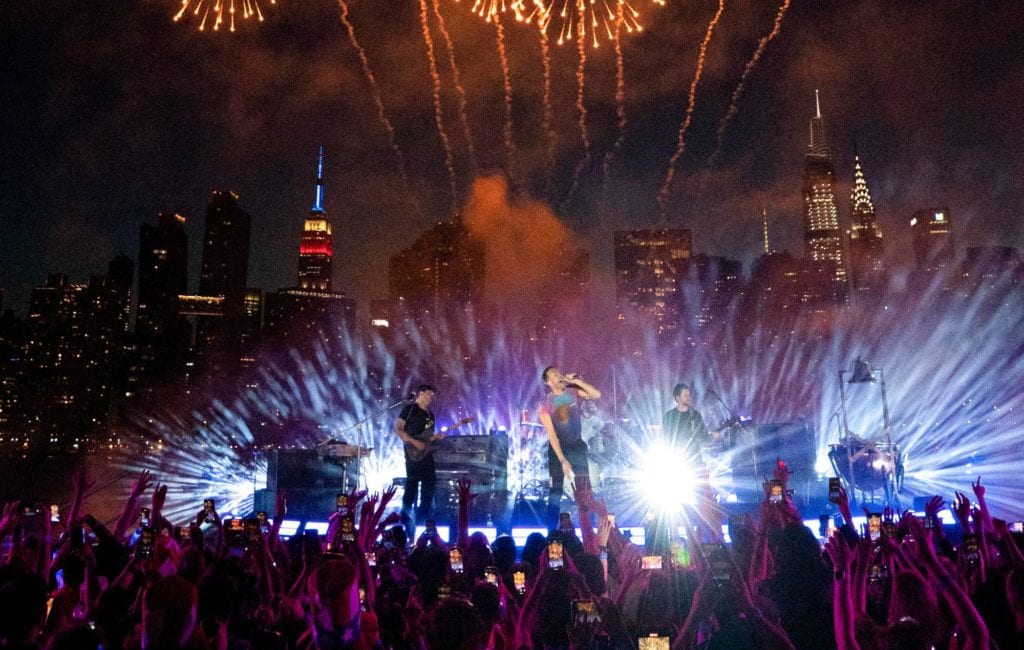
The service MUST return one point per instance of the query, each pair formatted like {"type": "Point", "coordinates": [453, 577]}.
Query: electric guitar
{"type": "Point", "coordinates": [416, 454]}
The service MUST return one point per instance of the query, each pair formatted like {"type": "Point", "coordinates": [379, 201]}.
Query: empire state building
{"type": "Point", "coordinates": [822, 234]}
{"type": "Point", "coordinates": [315, 246]}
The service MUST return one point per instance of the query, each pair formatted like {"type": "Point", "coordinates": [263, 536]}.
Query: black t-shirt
{"type": "Point", "coordinates": [420, 425]}
{"type": "Point", "coordinates": [685, 429]}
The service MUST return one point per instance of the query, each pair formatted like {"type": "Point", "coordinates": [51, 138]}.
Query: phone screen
{"type": "Point", "coordinates": [348, 528]}
{"type": "Point", "coordinates": [519, 580]}
{"type": "Point", "coordinates": [555, 560]}
{"type": "Point", "coordinates": [971, 553]}
{"type": "Point", "coordinates": [650, 562]}
{"type": "Point", "coordinates": [584, 611]}
{"type": "Point", "coordinates": [654, 642]}
{"type": "Point", "coordinates": [875, 526]}
{"type": "Point", "coordinates": [147, 540]}
{"type": "Point", "coordinates": [1017, 527]}
{"type": "Point", "coordinates": [611, 519]}
{"type": "Point", "coordinates": [371, 558]}
{"type": "Point", "coordinates": [491, 575]}
{"type": "Point", "coordinates": [834, 486]}
{"type": "Point", "coordinates": [341, 501]}
{"type": "Point", "coordinates": [455, 560]}
{"type": "Point", "coordinates": [565, 521]}
{"type": "Point", "coordinates": [775, 491]}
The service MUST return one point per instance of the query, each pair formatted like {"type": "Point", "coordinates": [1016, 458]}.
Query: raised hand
{"type": "Point", "coordinates": [962, 510]}
{"type": "Point", "coordinates": [936, 503]}
{"type": "Point", "coordinates": [159, 499]}
{"type": "Point", "coordinates": [979, 490]}
{"type": "Point", "coordinates": [142, 484]}
{"type": "Point", "coordinates": [464, 485]}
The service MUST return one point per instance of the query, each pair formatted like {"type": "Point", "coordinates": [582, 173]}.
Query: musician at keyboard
{"type": "Point", "coordinates": [683, 426]}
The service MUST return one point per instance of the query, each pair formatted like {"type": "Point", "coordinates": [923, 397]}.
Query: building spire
{"type": "Point", "coordinates": [764, 217]}
{"type": "Point", "coordinates": [818, 146]}
{"type": "Point", "coordinates": [318, 199]}
{"type": "Point", "coordinates": [860, 197]}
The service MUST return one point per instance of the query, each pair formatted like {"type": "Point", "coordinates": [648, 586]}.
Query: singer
{"type": "Point", "coordinates": [683, 426]}
{"type": "Point", "coordinates": [560, 415]}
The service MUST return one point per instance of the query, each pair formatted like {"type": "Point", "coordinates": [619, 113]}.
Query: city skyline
{"type": "Point", "coordinates": [932, 123]}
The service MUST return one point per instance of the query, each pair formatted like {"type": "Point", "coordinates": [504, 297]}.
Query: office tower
{"type": "Point", "coordinates": [224, 271]}
{"type": "Point", "coordinates": [822, 235]}
{"type": "Point", "coordinates": [315, 247]}
{"type": "Point", "coordinates": [440, 273]}
{"type": "Point", "coordinates": [709, 287]}
{"type": "Point", "coordinates": [932, 234]}
{"type": "Point", "coordinates": [648, 268]}
{"type": "Point", "coordinates": [867, 263]}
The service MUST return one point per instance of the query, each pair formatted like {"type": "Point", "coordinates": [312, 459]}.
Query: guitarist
{"type": "Point", "coordinates": [683, 427]}
{"type": "Point", "coordinates": [415, 427]}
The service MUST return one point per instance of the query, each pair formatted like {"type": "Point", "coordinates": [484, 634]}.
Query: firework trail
{"type": "Point", "coordinates": [663, 193]}
{"type": "Point", "coordinates": [449, 160]}
{"type": "Point", "coordinates": [734, 107]}
{"type": "Point", "coordinates": [371, 81]}
{"type": "Point", "coordinates": [620, 105]}
{"type": "Point", "coordinates": [581, 106]}
{"type": "Point", "coordinates": [506, 78]}
{"type": "Point", "coordinates": [573, 16]}
{"type": "Point", "coordinates": [217, 12]}
{"type": "Point", "coordinates": [460, 90]}
{"type": "Point", "coordinates": [548, 119]}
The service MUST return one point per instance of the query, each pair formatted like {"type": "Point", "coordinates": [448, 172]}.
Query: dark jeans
{"type": "Point", "coordinates": [576, 454]}
{"type": "Point", "coordinates": [421, 481]}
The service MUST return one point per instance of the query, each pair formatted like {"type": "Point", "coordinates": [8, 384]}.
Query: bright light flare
{"type": "Point", "coordinates": [591, 20]}
{"type": "Point", "coordinates": [215, 14]}
{"type": "Point", "coordinates": [666, 478]}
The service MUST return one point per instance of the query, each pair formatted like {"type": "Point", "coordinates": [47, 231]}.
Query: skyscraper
{"type": "Point", "coordinates": [442, 270]}
{"type": "Point", "coordinates": [315, 247]}
{"type": "Point", "coordinates": [932, 234]}
{"type": "Point", "coordinates": [822, 234]}
{"type": "Point", "coordinates": [867, 264]}
{"type": "Point", "coordinates": [163, 273]}
{"type": "Point", "coordinates": [648, 268]}
{"type": "Point", "coordinates": [224, 270]}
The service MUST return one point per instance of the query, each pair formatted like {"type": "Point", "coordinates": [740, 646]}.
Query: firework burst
{"type": "Point", "coordinates": [219, 14]}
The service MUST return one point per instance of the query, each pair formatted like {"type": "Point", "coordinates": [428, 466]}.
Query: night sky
{"type": "Point", "coordinates": [111, 113]}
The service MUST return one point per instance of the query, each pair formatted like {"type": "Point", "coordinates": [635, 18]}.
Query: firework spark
{"type": "Point", "coordinates": [219, 13]}
{"type": "Point", "coordinates": [587, 19]}
{"type": "Point", "coordinates": [620, 106]}
{"type": "Point", "coordinates": [460, 90]}
{"type": "Point", "coordinates": [734, 103]}
{"type": "Point", "coordinates": [449, 159]}
{"type": "Point", "coordinates": [581, 109]}
{"type": "Point", "coordinates": [666, 186]}
{"type": "Point", "coordinates": [506, 79]}
{"type": "Point", "coordinates": [548, 118]}
{"type": "Point", "coordinates": [371, 81]}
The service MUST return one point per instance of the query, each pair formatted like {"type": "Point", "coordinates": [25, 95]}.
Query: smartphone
{"type": "Point", "coordinates": [236, 533]}
{"type": "Point", "coordinates": [444, 592]}
{"type": "Point", "coordinates": [341, 501]}
{"type": "Point", "coordinates": [878, 573]}
{"type": "Point", "coordinates": [650, 562]}
{"type": "Point", "coordinates": [147, 541]}
{"type": "Point", "coordinates": [875, 526]}
{"type": "Point", "coordinates": [430, 529]}
{"type": "Point", "coordinates": [519, 581]}
{"type": "Point", "coordinates": [371, 558]}
{"type": "Point", "coordinates": [184, 532]}
{"type": "Point", "coordinates": [719, 561]}
{"type": "Point", "coordinates": [208, 507]}
{"type": "Point", "coordinates": [54, 513]}
{"type": "Point", "coordinates": [455, 560]}
{"type": "Point", "coordinates": [77, 538]}
{"type": "Point", "coordinates": [584, 611]}
{"type": "Point", "coordinates": [362, 599]}
{"type": "Point", "coordinates": [776, 491]}
{"type": "Point", "coordinates": [1017, 527]}
{"type": "Point", "coordinates": [348, 529]}
{"type": "Point", "coordinates": [555, 560]}
{"type": "Point", "coordinates": [143, 516]}
{"type": "Point", "coordinates": [565, 522]}
{"type": "Point", "coordinates": [654, 641]}
{"type": "Point", "coordinates": [970, 549]}
{"type": "Point", "coordinates": [834, 487]}
{"type": "Point", "coordinates": [611, 519]}
{"type": "Point", "coordinates": [264, 522]}
{"type": "Point", "coordinates": [491, 575]}
{"type": "Point", "coordinates": [253, 531]}
{"type": "Point", "coordinates": [889, 529]}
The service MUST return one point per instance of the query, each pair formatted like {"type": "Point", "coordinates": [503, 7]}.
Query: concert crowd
{"type": "Point", "coordinates": [142, 582]}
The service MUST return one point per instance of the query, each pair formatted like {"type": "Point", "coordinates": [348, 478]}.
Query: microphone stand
{"type": "Point", "coordinates": [736, 418]}
{"type": "Point", "coordinates": [358, 428]}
